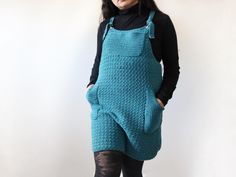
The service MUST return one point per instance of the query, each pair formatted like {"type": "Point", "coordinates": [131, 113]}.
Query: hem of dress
{"type": "Point", "coordinates": [108, 148]}
{"type": "Point", "coordinates": [132, 155]}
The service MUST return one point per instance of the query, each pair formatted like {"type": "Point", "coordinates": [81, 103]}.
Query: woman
{"type": "Point", "coordinates": [126, 91]}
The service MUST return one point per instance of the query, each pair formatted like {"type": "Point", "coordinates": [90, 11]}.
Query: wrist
{"type": "Point", "coordinates": [161, 103]}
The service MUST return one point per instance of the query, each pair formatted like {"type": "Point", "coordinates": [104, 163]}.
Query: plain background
{"type": "Point", "coordinates": [47, 49]}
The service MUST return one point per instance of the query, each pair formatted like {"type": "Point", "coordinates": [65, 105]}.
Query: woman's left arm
{"type": "Point", "coordinates": [170, 60]}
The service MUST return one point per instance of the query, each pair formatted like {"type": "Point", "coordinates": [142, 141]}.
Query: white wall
{"type": "Point", "coordinates": [47, 50]}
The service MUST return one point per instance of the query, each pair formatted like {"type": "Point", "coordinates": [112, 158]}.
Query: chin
{"type": "Point", "coordinates": [123, 6]}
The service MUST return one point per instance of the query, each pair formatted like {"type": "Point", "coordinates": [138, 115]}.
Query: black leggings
{"type": "Point", "coordinates": [110, 163]}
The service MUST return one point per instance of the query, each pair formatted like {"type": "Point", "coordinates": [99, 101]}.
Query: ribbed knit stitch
{"type": "Point", "coordinates": [125, 114]}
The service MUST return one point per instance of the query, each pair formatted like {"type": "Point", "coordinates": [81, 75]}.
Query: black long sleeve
{"type": "Point", "coordinates": [95, 68]}
{"type": "Point", "coordinates": [164, 47]}
{"type": "Point", "coordinates": [170, 60]}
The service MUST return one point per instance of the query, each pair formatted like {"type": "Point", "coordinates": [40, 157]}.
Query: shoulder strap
{"type": "Point", "coordinates": [150, 24]}
{"type": "Point", "coordinates": [110, 23]}
{"type": "Point", "coordinates": [151, 15]}
{"type": "Point", "coordinates": [111, 20]}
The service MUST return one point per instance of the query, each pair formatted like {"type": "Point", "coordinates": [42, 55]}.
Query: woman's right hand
{"type": "Point", "coordinates": [90, 86]}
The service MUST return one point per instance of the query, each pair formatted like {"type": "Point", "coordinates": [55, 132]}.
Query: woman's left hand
{"type": "Point", "coordinates": [160, 102]}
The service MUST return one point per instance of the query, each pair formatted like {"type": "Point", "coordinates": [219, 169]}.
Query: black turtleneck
{"type": "Point", "coordinates": [164, 46]}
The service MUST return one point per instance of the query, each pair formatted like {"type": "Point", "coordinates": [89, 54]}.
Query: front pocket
{"type": "Point", "coordinates": [124, 44]}
{"type": "Point", "coordinates": [91, 95]}
{"type": "Point", "coordinates": [153, 113]}
{"type": "Point", "coordinates": [92, 98]}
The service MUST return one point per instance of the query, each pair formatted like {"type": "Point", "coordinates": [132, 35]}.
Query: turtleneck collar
{"type": "Point", "coordinates": [130, 10]}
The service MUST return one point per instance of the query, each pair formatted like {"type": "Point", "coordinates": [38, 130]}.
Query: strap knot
{"type": "Point", "coordinates": [151, 29]}
{"type": "Point", "coordinates": [110, 23]}
{"type": "Point", "coordinates": [105, 31]}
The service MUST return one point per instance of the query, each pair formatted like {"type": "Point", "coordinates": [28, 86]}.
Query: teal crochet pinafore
{"type": "Point", "coordinates": [125, 114]}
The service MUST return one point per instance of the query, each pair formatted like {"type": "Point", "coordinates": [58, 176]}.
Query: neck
{"type": "Point", "coordinates": [133, 9]}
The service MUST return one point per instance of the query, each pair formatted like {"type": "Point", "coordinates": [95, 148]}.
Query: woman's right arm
{"type": "Point", "coordinates": [95, 68]}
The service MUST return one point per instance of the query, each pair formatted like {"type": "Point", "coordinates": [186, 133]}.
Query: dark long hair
{"type": "Point", "coordinates": [109, 9]}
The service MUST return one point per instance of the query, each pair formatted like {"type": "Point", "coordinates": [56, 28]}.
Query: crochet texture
{"type": "Point", "coordinates": [125, 114]}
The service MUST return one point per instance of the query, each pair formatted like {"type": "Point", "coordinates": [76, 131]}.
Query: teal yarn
{"type": "Point", "coordinates": [151, 31]}
{"type": "Point", "coordinates": [125, 114]}
{"type": "Point", "coordinates": [107, 27]}
{"type": "Point", "coordinates": [151, 25]}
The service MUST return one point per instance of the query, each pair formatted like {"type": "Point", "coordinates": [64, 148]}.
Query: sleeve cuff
{"type": "Point", "coordinates": [162, 98]}
{"type": "Point", "coordinates": [89, 84]}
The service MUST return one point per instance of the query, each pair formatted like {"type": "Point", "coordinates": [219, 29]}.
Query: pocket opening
{"type": "Point", "coordinates": [153, 113]}
{"type": "Point", "coordinates": [92, 98]}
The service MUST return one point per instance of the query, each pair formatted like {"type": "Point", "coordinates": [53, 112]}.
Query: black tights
{"type": "Point", "coordinates": [110, 163]}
